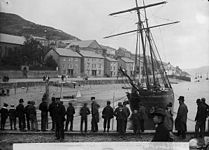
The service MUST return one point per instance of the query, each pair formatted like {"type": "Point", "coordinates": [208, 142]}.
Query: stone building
{"type": "Point", "coordinates": [68, 60]}
{"type": "Point", "coordinates": [110, 67]}
{"type": "Point", "coordinates": [10, 43]}
{"type": "Point", "coordinates": [92, 63]}
{"type": "Point", "coordinates": [127, 64]}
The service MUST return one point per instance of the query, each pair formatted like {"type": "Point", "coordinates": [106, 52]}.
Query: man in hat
{"type": "Point", "coordinates": [70, 116]}
{"type": "Point", "coordinates": [44, 114]}
{"type": "Point", "coordinates": [161, 133]}
{"type": "Point", "coordinates": [95, 115]}
{"type": "Point", "coordinates": [52, 111]}
{"type": "Point", "coordinates": [120, 117]}
{"type": "Point", "coordinates": [12, 117]}
{"type": "Point", "coordinates": [107, 115]}
{"type": "Point", "coordinates": [142, 116]}
{"type": "Point", "coordinates": [20, 111]}
{"type": "Point", "coordinates": [59, 118]}
{"type": "Point", "coordinates": [181, 118]}
{"type": "Point", "coordinates": [27, 113]}
{"type": "Point", "coordinates": [84, 112]}
{"type": "Point", "coordinates": [169, 117]}
{"type": "Point", "coordinates": [200, 118]}
{"type": "Point", "coordinates": [207, 106]}
{"type": "Point", "coordinates": [33, 116]}
{"type": "Point", "coordinates": [127, 112]}
{"type": "Point", "coordinates": [4, 115]}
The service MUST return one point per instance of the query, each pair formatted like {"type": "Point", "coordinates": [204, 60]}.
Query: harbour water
{"type": "Point", "coordinates": [191, 91]}
{"type": "Point", "coordinates": [114, 92]}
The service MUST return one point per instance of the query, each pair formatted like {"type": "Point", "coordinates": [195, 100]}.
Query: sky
{"type": "Point", "coordinates": [185, 44]}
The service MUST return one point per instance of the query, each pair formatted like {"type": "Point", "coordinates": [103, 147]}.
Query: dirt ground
{"type": "Point", "coordinates": [7, 140]}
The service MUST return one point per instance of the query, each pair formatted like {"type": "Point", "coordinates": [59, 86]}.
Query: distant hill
{"type": "Point", "coordinates": [16, 25]}
{"type": "Point", "coordinates": [201, 70]}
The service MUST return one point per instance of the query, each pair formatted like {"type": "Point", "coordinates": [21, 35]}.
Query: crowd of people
{"type": "Point", "coordinates": [61, 117]}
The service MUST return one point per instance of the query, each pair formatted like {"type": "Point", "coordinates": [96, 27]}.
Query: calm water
{"type": "Point", "coordinates": [191, 91]}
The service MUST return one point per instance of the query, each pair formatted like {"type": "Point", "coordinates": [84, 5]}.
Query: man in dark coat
{"type": "Point", "coordinates": [4, 115]}
{"type": "Point", "coordinates": [44, 114]}
{"type": "Point", "coordinates": [12, 117]}
{"type": "Point", "coordinates": [127, 112]}
{"type": "Point", "coordinates": [59, 118]}
{"type": "Point", "coordinates": [27, 115]}
{"type": "Point", "coordinates": [120, 117]}
{"type": "Point", "coordinates": [181, 118]}
{"type": "Point", "coordinates": [95, 115]}
{"type": "Point", "coordinates": [142, 116]}
{"type": "Point", "coordinates": [70, 115]}
{"type": "Point", "coordinates": [20, 110]}
{"type": "Point", "coordinates": [207, 106]}
{"type": "Point", "coordinates": [52, 108]}
{"type": "Point", "coordinates": [135, 121]}
{"type": "Point", "coordinates": [84, 112]}
{"type": "Point", "coordinates": [161, 133]}
{"type": "Point", "coordinates": [107, 115]}
{"type": "Point", "coordinates": [33, 116]}
{"type": "Point", "coordinates": [200, 118]}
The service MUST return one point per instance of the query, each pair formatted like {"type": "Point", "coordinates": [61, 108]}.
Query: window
{"type": "Point", "coordinates": [69, 59]}
{"type": "Point", "coordinates": [100, 65]}
{"type": "Point", "coordinates": [63, 66]}
{"type": "Point", "coordinates": [64, 59]}
{"type": "Point", "coordinates": [75, 59]}
{"type": "Point", "coordinates": [88, 65]}
{"type": "Point", "coordinates": [70, 66]}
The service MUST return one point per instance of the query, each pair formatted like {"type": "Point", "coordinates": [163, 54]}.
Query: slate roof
{"type": "Point", "coordinates": [81, 44]}
{"type": "Point", "coordinates": [111, 59]}
{"type": "Point", "coordinates": [67, 52]}
{"type": "Point", "coordinates": [90, 54]}
{"type": "Point", "coordinates": [127, 60]}
{"type": "Point", "coordinates": [12, 39]}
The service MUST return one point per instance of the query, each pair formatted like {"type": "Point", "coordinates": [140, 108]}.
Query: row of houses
{"type": "Point", "coordinates": [81, 58]}
{"type": "Point", "coordinates": [77, 58]}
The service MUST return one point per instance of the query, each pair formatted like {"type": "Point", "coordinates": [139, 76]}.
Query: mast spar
{"type": "Point", "coordinates": [144, 35]}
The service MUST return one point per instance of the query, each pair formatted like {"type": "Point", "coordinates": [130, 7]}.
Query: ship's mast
{"type": "Point", "coordinates": [150, 45]}
{"type": "Point", "coordinates": [143, 37]}
{"type": "Point", "coordinates": [140, 26]}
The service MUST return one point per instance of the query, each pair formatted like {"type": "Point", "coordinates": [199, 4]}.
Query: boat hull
{"type": "Point", "coordinates": [151, 101]}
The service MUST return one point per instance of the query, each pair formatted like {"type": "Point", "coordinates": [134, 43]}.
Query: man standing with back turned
{"type": "Point", "coordinates": [95, 115]}
{"type": "Point", "coordinates": [181, 118]}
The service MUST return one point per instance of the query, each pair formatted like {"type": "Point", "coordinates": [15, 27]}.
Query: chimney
{"type": "Point", "coordinates": [75, 48]}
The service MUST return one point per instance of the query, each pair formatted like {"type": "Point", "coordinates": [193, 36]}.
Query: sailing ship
{"type": "Point", "coordinates": [150, 85]}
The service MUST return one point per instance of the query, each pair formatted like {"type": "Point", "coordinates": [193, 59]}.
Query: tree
{"type": "Point", "coordinates": [32, 52]}
{"type": "Point", "coordinates": [50, 62]}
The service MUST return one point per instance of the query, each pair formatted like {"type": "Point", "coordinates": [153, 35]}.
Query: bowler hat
{"type": "Point", "coordinates": [181, 98]}
{"type": "Point", "coordinates": [120, 104]}
{"type": "Point", "coordinates": [5, 104]}
{"type": "Point", "coordinates": [169, 104]}
{"type": "Point", "coordinates": [198, 101]}
{"type": "Point", "coordinates": [203, 99]}
{"type": "Point", "coordinates": [21, 100]}
{"type": "Point", "coordinates": [159, 112]}
{"type": "Point", "coordinates": [92, 98]}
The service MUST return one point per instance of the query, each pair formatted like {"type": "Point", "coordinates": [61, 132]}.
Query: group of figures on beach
{"type": "Point", "coordinates": [61, 117]}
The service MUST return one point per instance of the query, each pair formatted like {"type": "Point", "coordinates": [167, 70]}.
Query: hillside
{"type": "Point", "coordinates": [16, 25]}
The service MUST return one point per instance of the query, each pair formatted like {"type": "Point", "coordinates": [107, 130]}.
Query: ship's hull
{"type": "Point", "coordinates": [151, 101]}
